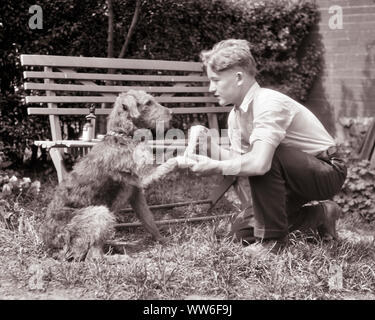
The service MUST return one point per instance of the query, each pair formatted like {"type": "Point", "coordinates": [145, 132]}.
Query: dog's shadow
{"type": "Point", "coordinates": [127, 248]}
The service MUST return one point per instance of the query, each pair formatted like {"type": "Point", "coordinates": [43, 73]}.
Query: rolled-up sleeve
{"type": "Point", "coordinates": [271, 122]}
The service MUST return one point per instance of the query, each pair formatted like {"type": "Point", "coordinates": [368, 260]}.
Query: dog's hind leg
{"type": "Point", "coordinates": [87, 232]}
{"type": "Point", "coordinates": [144, 214]}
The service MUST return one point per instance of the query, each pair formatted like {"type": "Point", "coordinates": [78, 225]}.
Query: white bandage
{"type": "Point", "coordinates": [195, 133]}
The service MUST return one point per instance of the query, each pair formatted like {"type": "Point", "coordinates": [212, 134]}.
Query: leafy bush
{"type": "Point", "coordinates": [358, 192]}
{"type": "Point", "coordinates": [167, 29]}
{"type": "Point", "coordinates": [17, 186]}
{"type": "Point", "coordinates": [15, 192]}
{"type": "Point", "coordinates": [355, 131]}
{"type": "Point", "coordinates": [277, 31]}
{"type": "Point", "coordinates": [18, 130]}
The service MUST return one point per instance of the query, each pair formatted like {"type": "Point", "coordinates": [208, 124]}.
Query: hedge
{"type": "Point", "coordinates": [279, 32]}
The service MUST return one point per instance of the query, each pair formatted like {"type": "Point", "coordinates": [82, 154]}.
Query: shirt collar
{"type": "Point", "coordinates": [249, 97]}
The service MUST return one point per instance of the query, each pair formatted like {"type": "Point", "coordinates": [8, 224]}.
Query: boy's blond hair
{"type": "Point", "coordinates": [230, 53]}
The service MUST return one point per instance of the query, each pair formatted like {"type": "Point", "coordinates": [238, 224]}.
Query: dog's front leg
{"type": "Point", "coordinates": [159, 172]}
{"type": "Point", "coordinates": [140, 207]}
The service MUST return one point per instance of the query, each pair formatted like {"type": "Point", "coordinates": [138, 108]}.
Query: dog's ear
{"type": "Point", "coordinates": [128, 103]}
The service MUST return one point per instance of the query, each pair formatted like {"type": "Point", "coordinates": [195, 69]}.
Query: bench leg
{"type": "Point", "coordinates": [242, 189]}
{"type": "Point", "coordinates": [220, 190]}
{"type": "Point", "coordinates": [58, 162]}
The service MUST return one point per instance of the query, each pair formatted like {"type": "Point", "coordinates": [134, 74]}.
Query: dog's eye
{"type": "Point", "coordinates": [148, 103]}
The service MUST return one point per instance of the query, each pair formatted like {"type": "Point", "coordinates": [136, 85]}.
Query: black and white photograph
{"type": "Point", "coordinates": [190, 158]}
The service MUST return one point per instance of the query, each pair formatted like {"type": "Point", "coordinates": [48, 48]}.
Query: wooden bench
{"type": "Point", "coordinates": [65, 86]}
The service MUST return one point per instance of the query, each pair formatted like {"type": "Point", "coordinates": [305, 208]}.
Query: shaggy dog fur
{"type": "Point", "coordinates": [81, 215]}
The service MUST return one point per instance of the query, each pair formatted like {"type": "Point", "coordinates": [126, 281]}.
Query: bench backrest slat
{"type": "Point", "coordinates": [113, 77]}
{"type": "Point", "coordinates": [117, 89]}
{"type": "Point", "coordinates": [108, 63]}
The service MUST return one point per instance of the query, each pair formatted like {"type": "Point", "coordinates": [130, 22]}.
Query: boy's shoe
{"type": "Point", "coordinates": [331, 213]}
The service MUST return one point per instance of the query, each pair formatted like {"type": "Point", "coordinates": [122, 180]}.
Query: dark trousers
{"type": "Point", "coordinates": [295, 178]}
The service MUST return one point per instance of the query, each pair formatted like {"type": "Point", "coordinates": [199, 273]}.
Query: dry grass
{"type": "Point", "coordinates": [197, 261]}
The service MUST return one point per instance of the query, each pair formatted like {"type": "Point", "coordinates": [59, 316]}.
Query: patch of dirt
{"type": "Point", "coordinates": [12, 291]}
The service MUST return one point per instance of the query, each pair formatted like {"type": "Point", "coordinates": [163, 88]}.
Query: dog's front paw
{"type": "Point", "coordinates": [159, 173]}
{"type": "Point", "coordinates": [171, 164]}
{"type": "Point", "coordinates": [95, 253]}
{"type": "Point", "coordinates": [162, 240]}
{"type": "Point", "coordinates": [185, 162]}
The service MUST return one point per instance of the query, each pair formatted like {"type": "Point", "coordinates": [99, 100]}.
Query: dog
{"type": "Point", "coordinates": [82, 213]}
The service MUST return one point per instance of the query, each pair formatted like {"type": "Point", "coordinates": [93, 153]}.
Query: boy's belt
{"type": "Point", "coordinates": [329, 153]}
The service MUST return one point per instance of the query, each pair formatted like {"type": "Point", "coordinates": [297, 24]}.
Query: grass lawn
{"type": "Point", "coordinates": [198, 262]}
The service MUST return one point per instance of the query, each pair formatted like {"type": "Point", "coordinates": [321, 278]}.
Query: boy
{"type": "Point", "coordinates": [284, 150]}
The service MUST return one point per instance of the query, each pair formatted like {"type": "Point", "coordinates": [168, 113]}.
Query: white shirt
{"type": "Point", "coordinates": [275, 118]}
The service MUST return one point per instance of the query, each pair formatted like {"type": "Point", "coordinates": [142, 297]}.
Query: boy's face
{"type": "Point", "coordinates": [224, 86]}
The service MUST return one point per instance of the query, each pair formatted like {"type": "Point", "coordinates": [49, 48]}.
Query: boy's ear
{"type": "Point", "coordinates": [239, 78]}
